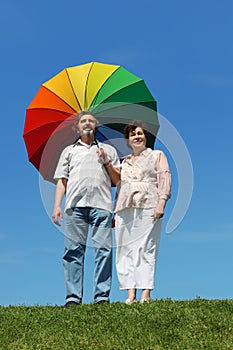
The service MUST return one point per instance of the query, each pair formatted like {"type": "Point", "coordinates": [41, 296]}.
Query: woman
{"type": "Point", "coordinates": [141, 199]}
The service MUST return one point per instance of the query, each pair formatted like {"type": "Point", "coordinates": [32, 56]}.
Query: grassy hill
{"type": "Point", "coordinates": [162, 324]}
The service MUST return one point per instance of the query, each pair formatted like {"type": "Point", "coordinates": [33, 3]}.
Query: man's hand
{"type": "Point", "coordinates": [111, 170]}
{"type": "Point", "coordinates": [60, 192]}
{"type": "Point", "coordinates": [102, 155]}
{"type": "Point", "coordinates": [57, 214]}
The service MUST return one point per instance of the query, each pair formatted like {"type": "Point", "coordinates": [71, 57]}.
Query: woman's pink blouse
{"type": "Point", "coordinates": [143, 182]}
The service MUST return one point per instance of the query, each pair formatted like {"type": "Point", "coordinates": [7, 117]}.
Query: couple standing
{"type": "Point", "coordinates": [84, 175]}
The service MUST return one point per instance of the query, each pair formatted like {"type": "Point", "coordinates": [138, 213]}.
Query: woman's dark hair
{"type": "Point", "coordinates": [80, 115]}
{"type": "Point", "coordinates": [134, 125]}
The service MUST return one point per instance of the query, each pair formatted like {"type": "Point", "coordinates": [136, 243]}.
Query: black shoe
{"type": "Point", "coordinates": [102, 302]}
{"type": "Point", "coordinates": [70, 304]}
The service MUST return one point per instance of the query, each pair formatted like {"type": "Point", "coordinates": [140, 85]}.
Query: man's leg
{"type": "Point", "coordinates": [76, 230]}
{"type": "Point", "coordinates": [101, 222]}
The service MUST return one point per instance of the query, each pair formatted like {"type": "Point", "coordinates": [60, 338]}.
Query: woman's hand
{"type": "Point", "coordinates": [159, 209]}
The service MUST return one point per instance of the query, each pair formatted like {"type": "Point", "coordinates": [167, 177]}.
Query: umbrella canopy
{"type": "Point", "coordinates": [113, 94]}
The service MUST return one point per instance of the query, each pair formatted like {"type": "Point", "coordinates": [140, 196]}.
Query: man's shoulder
{"type": "Point", "coordinates": [67, 150]}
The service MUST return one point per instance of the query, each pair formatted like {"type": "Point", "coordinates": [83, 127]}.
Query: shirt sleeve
{"type": "Point", "coordinates": [62, 170]}
{"type": "Point", "coordinates": [163, 176]}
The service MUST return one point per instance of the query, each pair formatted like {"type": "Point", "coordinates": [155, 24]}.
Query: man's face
{"type": "Point", "coordinates": [87, 125]}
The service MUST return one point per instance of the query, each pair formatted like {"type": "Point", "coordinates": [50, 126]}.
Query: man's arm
{"type": "Point", "coordinates": [114, 173]}
{"type": "Point", "coordinates": [60, 192]}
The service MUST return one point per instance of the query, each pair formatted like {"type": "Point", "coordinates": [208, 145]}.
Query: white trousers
{"type": "Point", "coordinates": [137, 243]}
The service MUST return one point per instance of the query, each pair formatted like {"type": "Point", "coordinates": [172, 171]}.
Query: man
{"type": "Point", "coordinates": [84, 174]}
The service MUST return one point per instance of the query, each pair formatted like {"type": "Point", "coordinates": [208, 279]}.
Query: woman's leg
{"type": "Point", "coordinates": [146, 233]}
{"type": "Point", "coordinates": [132, 294]}
{"type": "Point", "coordinates": [145, 294]}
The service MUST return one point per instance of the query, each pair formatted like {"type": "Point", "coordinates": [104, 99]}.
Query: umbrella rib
{"type": "Point", "coordinates": [96, 96]}
{"type": "Point", "coordinates": [72, 88]}
{"type": "Point", "coordinates": [41, 127]}
{"type": "Point", "coordinates": [85, 96]}
{"type": "Point", "coordinates": [51, 109]}
{"type": "Point", "coordinates": [58, 96]}
{"type": "Point", "coordinates": [126, 87]}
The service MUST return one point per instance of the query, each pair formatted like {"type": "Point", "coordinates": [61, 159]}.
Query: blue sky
{"type": "Point", "coordinates": [184, 52]}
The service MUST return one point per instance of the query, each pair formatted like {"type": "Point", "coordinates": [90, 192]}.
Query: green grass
{"type": "Point", "coordinates": [162, 324]}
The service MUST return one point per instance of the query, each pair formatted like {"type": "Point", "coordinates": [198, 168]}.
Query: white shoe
{"type": "Point", "coordinates": [130, 302]}
{"type": "Point", "coordinates": [142, 301]}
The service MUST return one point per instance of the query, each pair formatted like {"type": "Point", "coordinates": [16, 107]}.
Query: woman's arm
{"type": "Point", "coordinates": [164, 184]}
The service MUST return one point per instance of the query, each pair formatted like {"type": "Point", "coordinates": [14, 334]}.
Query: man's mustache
{"type": "Point", "coordinates": [88, 127]}
{"type": "Point", "coordinates": [88, 130]}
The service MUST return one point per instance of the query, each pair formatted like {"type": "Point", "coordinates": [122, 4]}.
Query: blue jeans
{"type": "Point", "coordinates": [77, 223]}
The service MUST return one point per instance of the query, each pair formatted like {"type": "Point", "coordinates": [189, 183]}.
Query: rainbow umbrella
{"type": "Point", "coordinates": [113, 94]}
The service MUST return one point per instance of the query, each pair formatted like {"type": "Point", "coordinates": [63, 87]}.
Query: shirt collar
{"type": "Point", "coordinates": [81, 143]}
{"type": "Point", "coordinates": [144, 153]}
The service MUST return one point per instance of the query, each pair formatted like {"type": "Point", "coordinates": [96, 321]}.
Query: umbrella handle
{"type": "Point", "coordinates": [96, 142]}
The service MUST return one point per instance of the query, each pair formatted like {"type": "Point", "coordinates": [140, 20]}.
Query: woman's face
{"type": "Point", "coordinates": [137, 138]}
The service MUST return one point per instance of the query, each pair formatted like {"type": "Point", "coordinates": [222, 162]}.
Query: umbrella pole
{"type": "Point", "coordinates": [96, 142]}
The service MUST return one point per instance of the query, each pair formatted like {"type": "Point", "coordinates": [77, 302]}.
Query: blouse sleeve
{"type": "Point", "coordinates": [163, 176]}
